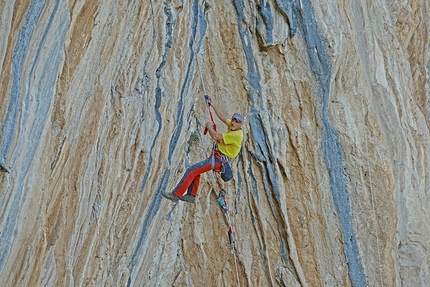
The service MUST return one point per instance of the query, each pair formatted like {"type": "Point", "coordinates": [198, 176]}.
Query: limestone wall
{"type": "Point", "coordinates": [102, 109]}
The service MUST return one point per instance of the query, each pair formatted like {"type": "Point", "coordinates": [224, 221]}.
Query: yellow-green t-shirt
{"type": "Point", "coordinates": [231, 142]}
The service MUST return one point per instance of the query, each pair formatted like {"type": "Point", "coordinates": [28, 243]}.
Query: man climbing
{"type": "Point", "coordinates": [229, 145]}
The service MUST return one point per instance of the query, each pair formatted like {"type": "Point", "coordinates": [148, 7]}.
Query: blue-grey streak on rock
{"type": "Point", "coordinates": [198, 22]}
{"type": "Point", "coordinates": [331, 148]}
{"type": "Point", "coordinates": [288, 8]}
{"type": "Point", "coordinates": [266, 13]}
{"type": "Point", "coordinates": [152, 211]}
{"type": "Point", "coordinates": [41, 86]}
{"type": "Point", "coordinates": [198, 19]}
{"type": "Point", "coordinates": [253, 182]}
{"type": "Point", "coordinates": [259, 134]}
{"type": "Point", "coordinates": [170, 23]}
{"type": "Point", "coordinates": [20, 52]}
{"type": "Point", "coordinates": [156, 198]}
{"type": "Point", "coordinates": [158, 119]}
{"type": "Point", "coordinates": [428, 83]}
{"type": "Point", "coordinates": [270, 180]}
{"type": "Point", "coordinates": [240, 186]}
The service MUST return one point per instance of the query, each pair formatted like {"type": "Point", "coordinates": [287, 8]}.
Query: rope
{"type": "Point", "coordinates": [373, 201]}
{"type": "Point", "coordinates": [237, 272]}
{"type": "Point", "coordinates": [207, 98]}
{"type": "Point", "coordinates": [222, 201]}
{"type": "Point", "coordinates": [200, 73]}
{"type": "Point", "coordinates": [222, 193]}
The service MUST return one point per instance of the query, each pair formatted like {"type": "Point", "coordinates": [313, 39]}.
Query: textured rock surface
{"type": "Point", "coordinates": [102, 109]}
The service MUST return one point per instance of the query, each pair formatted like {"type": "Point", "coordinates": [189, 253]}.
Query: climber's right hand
{"type": "Point", "coordinates": [208, 100]}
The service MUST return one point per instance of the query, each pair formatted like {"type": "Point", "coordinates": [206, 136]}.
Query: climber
{"type": "Point", "coordinates": [228, 147]}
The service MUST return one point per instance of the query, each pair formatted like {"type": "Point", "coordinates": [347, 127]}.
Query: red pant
{"type": "Point", "coordinates": [191, 179]}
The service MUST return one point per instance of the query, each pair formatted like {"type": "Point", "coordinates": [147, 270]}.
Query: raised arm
{"type": "Point", "coordinates": [218, 112]}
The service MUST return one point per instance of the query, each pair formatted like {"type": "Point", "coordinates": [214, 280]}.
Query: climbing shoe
{"type": "Point", "coordinates": [188, 198]}
{"type": "Point", "coordinates": [170, 195]}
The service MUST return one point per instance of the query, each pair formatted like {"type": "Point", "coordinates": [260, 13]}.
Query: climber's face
{"type": "Point", "coordinates": [235, 124]}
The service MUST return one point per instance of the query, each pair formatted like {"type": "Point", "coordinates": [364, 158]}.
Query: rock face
{"type": "Point", "coordinates": [102, 108]}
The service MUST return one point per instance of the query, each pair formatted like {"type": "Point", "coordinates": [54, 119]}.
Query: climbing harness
{"type": "Point", "coordinates": [226, 172]}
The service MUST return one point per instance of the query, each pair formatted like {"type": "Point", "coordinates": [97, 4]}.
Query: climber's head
{"type": "Point", "coordinates": [236, 121]}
